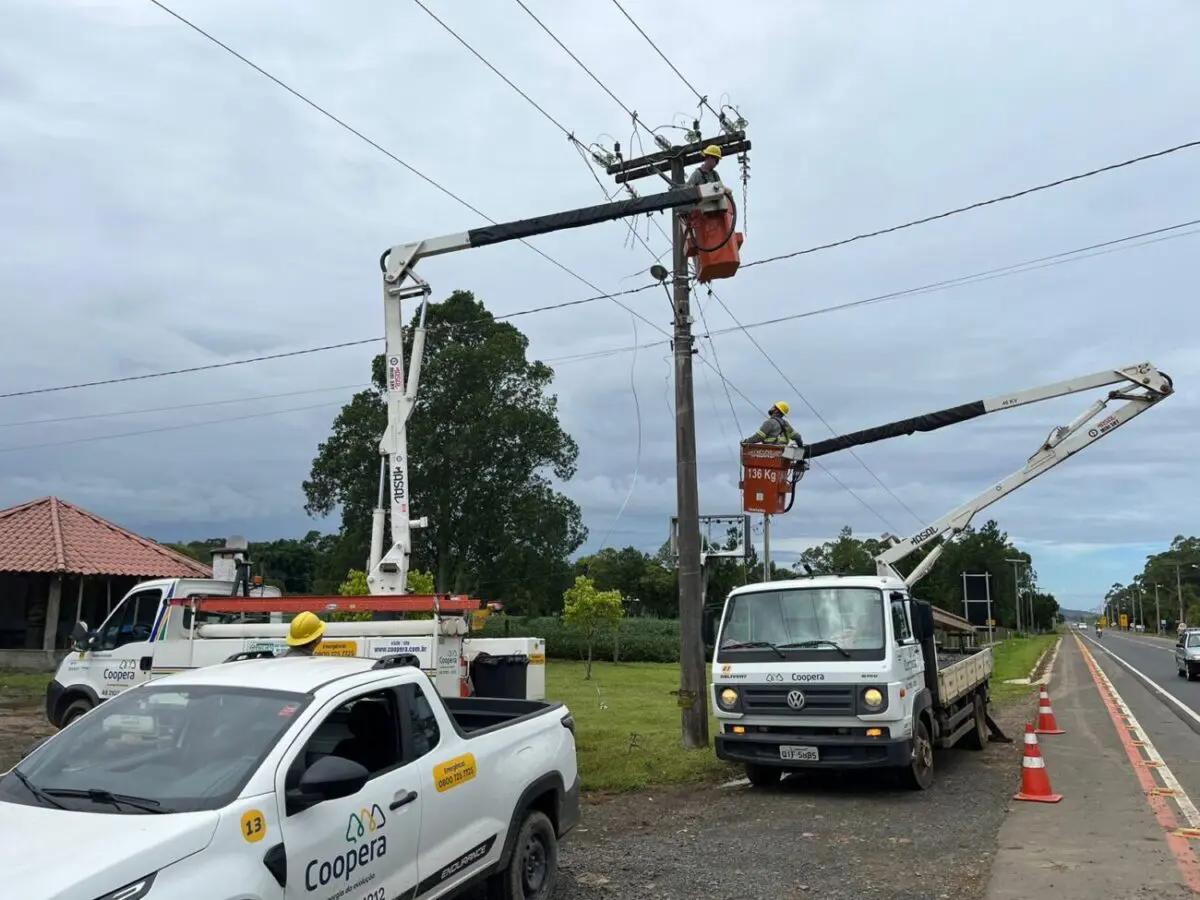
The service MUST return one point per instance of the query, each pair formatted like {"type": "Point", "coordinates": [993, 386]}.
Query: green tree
{"type": "Point", "coordinates": [591, 611]}
{"type": "Point", "coordinates": [484, 439]}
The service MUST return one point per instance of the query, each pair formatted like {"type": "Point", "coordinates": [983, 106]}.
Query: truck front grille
{"type": "Point", "coordinates": [819, 699]}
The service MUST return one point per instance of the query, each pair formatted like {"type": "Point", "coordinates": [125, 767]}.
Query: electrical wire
{"type": "Point", "coordinates": [791, 384]}
{"type": "Point", "coordinates": [177, 406]}
{"type": "Point", "coordinates": [1091, 173]}
{"type": "Point", "coordinates": [392, 156]}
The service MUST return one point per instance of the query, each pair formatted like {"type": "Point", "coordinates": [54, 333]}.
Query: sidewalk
{"type": "Point", "coordinates": [1102, 839]}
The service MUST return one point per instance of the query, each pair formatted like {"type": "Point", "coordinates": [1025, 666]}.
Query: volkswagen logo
{"type": "Point", "coordinates": [795, 700]}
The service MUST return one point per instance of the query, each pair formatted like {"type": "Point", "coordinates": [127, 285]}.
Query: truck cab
{"type": "Point", "coordinates": [841, 672]}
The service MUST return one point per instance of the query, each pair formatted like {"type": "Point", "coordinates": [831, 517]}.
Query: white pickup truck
{"type": "Point", "coordinates": [321, 778]}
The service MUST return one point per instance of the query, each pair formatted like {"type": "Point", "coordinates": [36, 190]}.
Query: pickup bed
{"type": "Point", "coordinates": [311, 777]}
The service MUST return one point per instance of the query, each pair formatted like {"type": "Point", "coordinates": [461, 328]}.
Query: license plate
{"type": "Point", "coordinates": [807, 754]}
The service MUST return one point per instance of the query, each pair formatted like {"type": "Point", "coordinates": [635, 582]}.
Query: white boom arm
{"type": "Point", "coordinates": [387, 572]}
{"type": "Point", "coordinates": [1145, 387]}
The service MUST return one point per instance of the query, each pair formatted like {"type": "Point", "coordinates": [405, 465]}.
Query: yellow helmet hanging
{"type": "Point", "coordinates": [711, 150]}
{"type": "Point", "coordinates": [783, 407]}
{"type": "Point", "coordinates": [305, 629]}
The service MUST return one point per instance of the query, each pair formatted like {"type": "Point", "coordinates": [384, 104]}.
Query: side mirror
{"type": "Point", "coordinates": [81, 637]}
{"type": "Point", "coordinates": [708, 630]}
{"type": "Point", "coordinates": [329, 778]}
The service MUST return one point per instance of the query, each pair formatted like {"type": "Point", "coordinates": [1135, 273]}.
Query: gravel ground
{"type": "Point", "coordinates": [816, 836]}
{"type": "Point", "coordinates": [832, 837]}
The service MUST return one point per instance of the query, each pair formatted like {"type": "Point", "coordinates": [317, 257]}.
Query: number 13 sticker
{"type": "Point", "coordinates": [254, 826]}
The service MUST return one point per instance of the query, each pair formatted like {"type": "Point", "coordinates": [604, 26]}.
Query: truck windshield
{"type": "Point", "coordinates": [157, 750]}
{"type": "Point", "coordinates": [803, 624]}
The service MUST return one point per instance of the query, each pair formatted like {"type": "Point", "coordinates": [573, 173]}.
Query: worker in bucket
{"type": "Point", "coordinates": [776, 429]}
{"type": "Point", "coordinates": [304, 637]}
{"type": "Point", "coordinates": [706, 172]}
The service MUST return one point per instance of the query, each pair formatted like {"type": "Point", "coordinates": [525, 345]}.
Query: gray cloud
{"type": "Point", "coordinates": [165, 206]}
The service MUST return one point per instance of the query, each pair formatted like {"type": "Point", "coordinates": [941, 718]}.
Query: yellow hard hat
{"type": "Point", "coordinates": [305, 629]}
{"type": "Point", "coordinates": [711, 150]}
{"type": "Point", "coordinates": [783, 407]}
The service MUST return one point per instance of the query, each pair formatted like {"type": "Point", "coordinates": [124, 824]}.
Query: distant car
{"type": "Point", "coordinates": [1187, 654]}
{"type": "Point", "coordinates": [1083, 626]}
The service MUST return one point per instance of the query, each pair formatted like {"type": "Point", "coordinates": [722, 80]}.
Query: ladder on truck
{"type": "Point", "coordinates": [191, 638]}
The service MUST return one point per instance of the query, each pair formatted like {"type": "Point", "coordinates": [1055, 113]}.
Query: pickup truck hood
{"type": "Point", "coordinates": [58, 854]}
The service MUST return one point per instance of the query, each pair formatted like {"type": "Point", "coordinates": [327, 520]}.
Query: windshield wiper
{"type": "Point", "coordinates": [99, 795]}
{"type": "Point", "coordinates": [801, 645]}
{"type": "Point", "coordinates": [751, 645]}
{"type": "Point", "coordinates": [42, 796]}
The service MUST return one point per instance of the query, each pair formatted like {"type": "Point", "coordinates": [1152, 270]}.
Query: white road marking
{"type": "Point", "coordinates": [1153, 685]}
{"type": "Point", "coordinates": [1182, 800]}
{"type": "Point", "coordinates": [1050, 667]}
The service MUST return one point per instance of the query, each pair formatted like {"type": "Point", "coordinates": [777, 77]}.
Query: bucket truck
{"type": "Point", "coordinates": [849, 672]}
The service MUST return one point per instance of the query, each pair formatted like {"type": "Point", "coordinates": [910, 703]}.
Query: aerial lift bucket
{"type": "Point", "coordinates": [711, 238]}
{"type": "Point", "coordinates": [766, 483]}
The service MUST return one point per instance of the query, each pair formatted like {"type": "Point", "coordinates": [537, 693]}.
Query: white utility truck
{"type": "Point", "coordinates": [842, 672]}
{"type": "Point", "coordinates": [297, 777]}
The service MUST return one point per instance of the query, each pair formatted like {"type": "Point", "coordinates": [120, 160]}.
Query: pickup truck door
{"type": "Point", "coordinates": [466, 811]}
{"type": "Point", "coordinates": [364, 846]}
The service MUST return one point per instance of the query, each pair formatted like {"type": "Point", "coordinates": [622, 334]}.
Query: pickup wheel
{"type": "Point", "coordinates": [918, 774]}
{"type": "Point", "coordinates": [533, 869]}
{"type": "Point", "coordinates": [74, 710]}
{"type": "Point", "coordinates": [977, 738]}
{"type": "Point", "coordinates": [763, 776]}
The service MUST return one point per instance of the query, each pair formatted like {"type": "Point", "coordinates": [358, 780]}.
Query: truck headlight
{"type": "Point", "coordinates": [728, 699]}
{"type": "Point", "coordinates": [873, 699]}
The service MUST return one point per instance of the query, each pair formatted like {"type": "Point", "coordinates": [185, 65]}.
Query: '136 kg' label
{"type": "Point", "coordinates": [454, 772]}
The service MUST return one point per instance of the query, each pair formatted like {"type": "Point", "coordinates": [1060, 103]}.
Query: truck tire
{"type": "Point", "coordinates": [976, 739]}
{"type": "Point", "coordinates": [918, 774]}
{"type": "Point", "coordinates": [74, 710]}
{"type": "Point", "coordinates": [533, 869]}
{"type": "Point", "coordinates": [763, 776]}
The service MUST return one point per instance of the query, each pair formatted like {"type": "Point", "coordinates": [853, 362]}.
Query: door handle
{"type": "Point", "coordinates": [403, 801]}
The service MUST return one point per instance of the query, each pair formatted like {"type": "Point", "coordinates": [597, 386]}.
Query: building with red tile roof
{"type": "Point", "coordinates": [51, 549]}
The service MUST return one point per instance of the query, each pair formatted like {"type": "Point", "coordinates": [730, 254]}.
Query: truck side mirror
{"type": "Point", "coordinates": [329, 778]}
{"type": "Point", "coordinates": [81, 637]}
{"type": "Point", "coordinates": [708, 624]}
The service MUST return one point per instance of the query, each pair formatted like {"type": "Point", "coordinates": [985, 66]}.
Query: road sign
{"type": "Point", "coordinates": [1124, 620]}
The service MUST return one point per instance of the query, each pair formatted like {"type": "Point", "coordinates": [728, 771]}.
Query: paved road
{"type": "Point", "coordinates": [1105, 837]}
{"type": "Point", "coordinates": [1173, 722]}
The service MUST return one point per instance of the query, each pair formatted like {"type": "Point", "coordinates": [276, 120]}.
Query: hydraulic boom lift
{"type": "Point", "coordinates": [387, 572]}
{"type": "Point", "coordinates": [770, 473]}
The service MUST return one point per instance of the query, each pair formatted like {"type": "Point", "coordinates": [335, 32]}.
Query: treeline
{"type": "Point", "coordinates": [1154, 594]}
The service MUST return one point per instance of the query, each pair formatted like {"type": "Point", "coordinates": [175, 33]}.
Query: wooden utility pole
{"type": "Point", "coordinates": [693, 694]}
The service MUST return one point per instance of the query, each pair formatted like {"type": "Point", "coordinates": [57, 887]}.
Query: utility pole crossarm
{"type": "Point", "coordinates": [1149, 387]}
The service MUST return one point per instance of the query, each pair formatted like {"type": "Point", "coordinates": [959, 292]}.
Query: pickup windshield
{"type": "Point", "coordinates": [804, 624]}
{"type": "Point", "coordinates": [157, 750]}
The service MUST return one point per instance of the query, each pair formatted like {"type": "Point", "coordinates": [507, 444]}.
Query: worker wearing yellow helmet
{"type": "Point", "coordinates": [776, 429]}
{"type": "Point", "coordinates": [706, 172]}
{"type": "Point", "coordinates": [305, 635]}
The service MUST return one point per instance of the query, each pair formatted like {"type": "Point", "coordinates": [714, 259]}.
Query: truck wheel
{"type": "Point", "coordinates": [533, 869]}
{"type": "Point", "coordinates": [918, 774]}
{"type": "Point", "coordinates": [977, 738]}
{"type": "Point", "coordinates": [763, 776]}
{"type": "Point", "coordinates": [74, 710]}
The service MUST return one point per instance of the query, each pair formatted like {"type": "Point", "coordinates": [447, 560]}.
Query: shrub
{"type": "Point", "coordinates": [638, 639]}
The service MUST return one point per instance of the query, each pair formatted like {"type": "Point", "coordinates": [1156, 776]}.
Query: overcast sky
{"type": "Point", "coordinates": [166, 206]}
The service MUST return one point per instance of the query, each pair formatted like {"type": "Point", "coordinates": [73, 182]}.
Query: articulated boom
{"type": "Point", "coordinates": [387, 573]}
{"type": "Point", "coordinates": [1146, 387]}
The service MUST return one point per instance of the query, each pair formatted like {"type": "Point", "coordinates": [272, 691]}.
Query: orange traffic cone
{"type": "Point", "coordinates": [1046, 723]}
{"type": "Point", "coordinates": [1035, 783]}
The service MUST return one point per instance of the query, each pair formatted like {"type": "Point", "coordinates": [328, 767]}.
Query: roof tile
{"type": "Point", "coordinates": [49, 535]}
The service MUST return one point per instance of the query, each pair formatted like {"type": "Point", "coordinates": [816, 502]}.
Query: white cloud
{"type": "Point", "coordinates": [165, 206]}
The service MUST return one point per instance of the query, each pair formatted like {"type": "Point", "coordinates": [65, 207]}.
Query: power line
{"type": "Point", "coordinates": [978, 205]}
{"type": "Point", "coordinates": [178, 406]}
{"type": "Point", "coordinates": [392, 156]}
{"type": "Point", "coordinates": [177, 427]}
{"type": "Point", "coordinates": [320, 349]}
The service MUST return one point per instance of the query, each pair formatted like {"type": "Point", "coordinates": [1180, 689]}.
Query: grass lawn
{"type": "Point", "coordinates": [23, 688]}
{"type": "Point", "coordinates": [627, 725]}
{"type": "Point", "coordinates": [1015, 657]}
